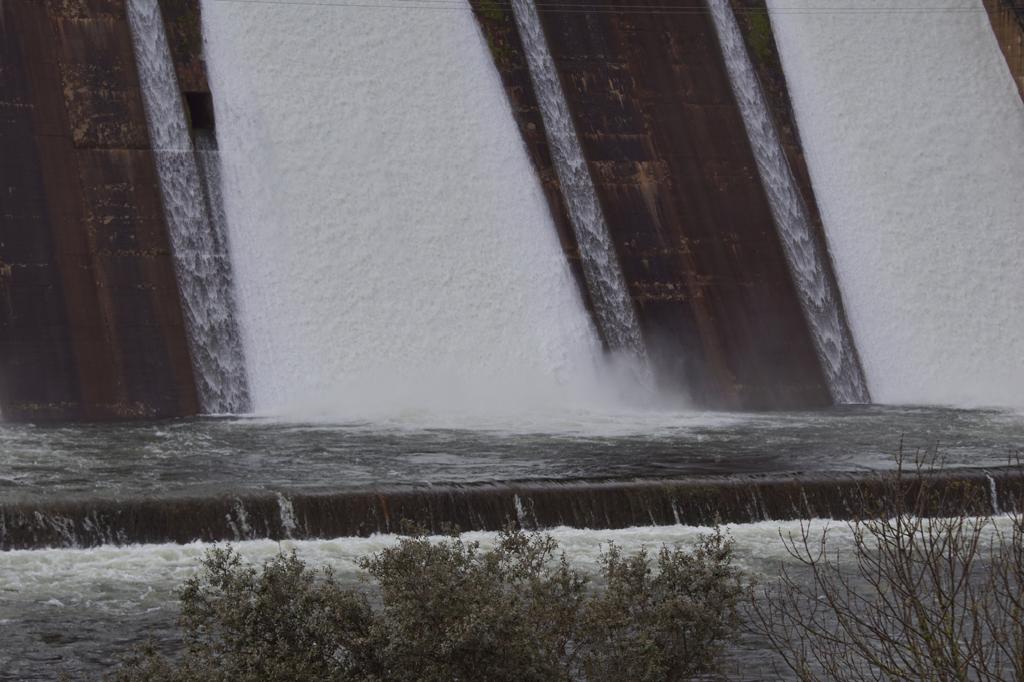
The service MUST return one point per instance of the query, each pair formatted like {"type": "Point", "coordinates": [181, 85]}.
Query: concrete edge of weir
{"type": "Point", "coordinates": [696, 500]}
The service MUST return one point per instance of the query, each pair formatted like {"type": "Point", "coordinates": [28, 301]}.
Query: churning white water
{"type": "Point", "coordinates": [201, 259]}
{"type": "Point", "coordinates": [807, 260]}
{"type": "Point", "coordinates": [914, 135]}
{"type": "Point", "coordinates": [117, 579]}
{"type": "Point", "coordinates": [392, 248]}
{"type": "Point", "coordinates": [111, 599]}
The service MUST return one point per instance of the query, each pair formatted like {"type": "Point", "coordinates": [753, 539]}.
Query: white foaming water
{"type": "Point", "coordinates": [83, 575]}
{"type": "Point", "coordinates": [392, 247]}
{"type": "Point", "coordinates": [914, 135]}
{"type": "Point", "coordinates": [821, 303]}
{"type": "Point", "coordinates": [113, 596]}
{"type": "Point", "coordinates": [112, 578]}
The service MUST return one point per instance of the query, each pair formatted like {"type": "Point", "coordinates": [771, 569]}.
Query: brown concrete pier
{"type": "Point", "coordinates": [91, 322]}
{"type": "Point", "coordinates": [679, 187]}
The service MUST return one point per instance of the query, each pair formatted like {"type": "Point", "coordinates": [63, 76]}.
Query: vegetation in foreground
{"type": "Point", "coordinates": [450, 610]}
{"type": "Point", "coordinates": [911, 598]}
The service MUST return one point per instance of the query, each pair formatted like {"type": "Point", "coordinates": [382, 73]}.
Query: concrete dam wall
{"type": "Point", "coordinates": [670, 169]}
{"type": "Point", "coordinates": [91, 323]}
{"type": "Point", "coordinates": [666, 144]}
{"type": "Point", "coordinates": [116, 286]}
{"type": "Point", "coordinates": [114, 334]}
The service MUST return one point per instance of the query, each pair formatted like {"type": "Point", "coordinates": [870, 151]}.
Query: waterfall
{"type": "Point", "coordinates": [612, 305]}
{"type": "Point", "coordinates": [198, 243]}
{"type": "Point", "coordinates": [232, 388]}
{"type": "Point", "coordinates": [808, 261]}
{"type": "Point", "coordinates": [393, 251]}
{"type": "Point", "coordinates": [913, 132]}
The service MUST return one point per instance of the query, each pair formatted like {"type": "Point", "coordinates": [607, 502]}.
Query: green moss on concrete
{"type": "Point", "coordinates": [759, 35]}
{"type": "Point", "coordinates": [491, 10]}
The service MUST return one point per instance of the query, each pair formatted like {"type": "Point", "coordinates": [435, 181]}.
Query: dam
{"type": "Point", "coordinates": [682, 235]}
{"type": "Point", "coordinates": [299, 272]}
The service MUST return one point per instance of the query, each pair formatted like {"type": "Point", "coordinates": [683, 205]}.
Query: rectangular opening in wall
{"type": "Point", "coordinates": [199, 106]}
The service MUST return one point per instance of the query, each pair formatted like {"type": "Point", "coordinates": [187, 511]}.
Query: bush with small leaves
{"type": "Point", "coordinates": [664, 624]}
{"type": "Point", "coordinates": [285, 621]}
{"type": "Point", "coordinates": [453, 611]}
{"type": "Point", "coordinates": [450, 610]}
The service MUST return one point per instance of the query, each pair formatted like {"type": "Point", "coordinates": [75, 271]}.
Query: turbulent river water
{"type": "Point", "coordinates": [80, 611]}
{"type": "Point", "coordinates": [77, 610]}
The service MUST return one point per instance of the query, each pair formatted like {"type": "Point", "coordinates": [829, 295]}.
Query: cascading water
{"type": "Point", "coordinates": [914, 137]}
{"type": "Point", "coordinates": [200, 252]}
{"type": "Point", "coordinates": [107, 596]}
{"type": "Point", "coordinates": [232, 388]}
{"type": "Point", "coordinates": [393, 252]}
{"type": "Point", "coordinates": [613, 307]}
{"type": "Point", "coordinates": [821, 303]}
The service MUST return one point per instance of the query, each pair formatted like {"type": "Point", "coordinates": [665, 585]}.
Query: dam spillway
{"type": "Point", "coordinates": [392, 249]}
{"type": "Point", "coordinates": [613, 308]}
{"type": "Point", "coordinates": [365, 299]}
{"type": "Point", "coordinates": [197, 241]}
{"type": "Point", "coordinates": [729, 309]}
{"type": "Point", "coordinates": [914, 134]}
{"type": "Point", "coordinates": [805, 249]}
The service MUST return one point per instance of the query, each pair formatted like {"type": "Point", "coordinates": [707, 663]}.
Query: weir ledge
{"type": "Point", "coordinates": [604, 504]}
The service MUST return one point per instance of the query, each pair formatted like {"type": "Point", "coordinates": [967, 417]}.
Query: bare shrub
{"type": "Point", "coordinates": [929, 590]}
{"type": "Point", "coordinates": [450, 610]}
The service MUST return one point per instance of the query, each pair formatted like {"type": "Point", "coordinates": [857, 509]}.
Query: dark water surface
{"type": "Point", "coordinates": [251, 454]}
